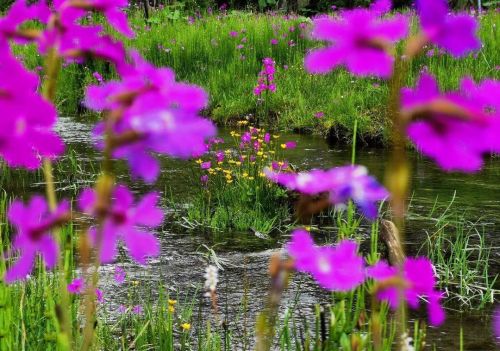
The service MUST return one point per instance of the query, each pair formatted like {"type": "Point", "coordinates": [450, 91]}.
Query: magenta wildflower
{"type": "Point", "coordinates": [274, 41]}
{"type": "Point", "coordinates": [319, 114]}
{"type": "Point", "coordinates": [99, 295]}
{"type": "Point", "coordinates": [342, 184]}
{"type": "Point", "coordinates": [206, 165]}
{"type": "Point", "coordinates": [76, 286]}
{"type": "Point", "coordinates": [455, 33]}
{"type": "Point", "coordinates": [98, 77]}
{"type": "Point", "coordinates": [265, 79]}
{"type": "Point", "coordinates": [360, 40]}
{"type": "Point", "coordinates": [336, 268]}
{"type": "Point", "coordinates": [138, 310]}
{"type": "Point", "coordinates": [289, 145]}
{"type": "Point", "coordinates": [120, 275]}
{"type": "Point", "coordinates": [233, 34]}
{"type": "Point", "coordinates": [26, 126]}
{"type": "Point", "coordinates": [219, 156]}
{"type": "Point", "coordinates": [34, 223]}
{"type": "Point", "coordinates": [162, 116]}
{"type": "Point", "coordinates": [418, 275]}
{"type": "Point", "coordinates": [122, 309]}
{"type": "Point", "coordinates": [267, 138]}
{"type": "Point", "coordinates": [455, 129]}
{"type": "Point", "coordinates": [124, 221]}
{"type": "Point", "coordinates": [204, 180]}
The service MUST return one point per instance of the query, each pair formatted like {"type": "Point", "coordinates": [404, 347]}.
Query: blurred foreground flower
{"type": "Point", "coordinates": [359, 39]}
{"type": "Point", "coordinates": [123, 221]}
{"type": "Point", "coordinates": [26, 126]}
{"type": "Point", "coordinates": [34, 223]}
{"type": "Point", "coordinates": [154, 114]}
{"type": "Point", "coordinates": [457, 128]}
{"type": "Point", "coordinates": [336, 268]}
{"type": "Point", "coordinates": [341, 183]}
{"type": "Point", "coordinates": [455, 33]}
{"type": "Point", "coordinates": [419, 282]}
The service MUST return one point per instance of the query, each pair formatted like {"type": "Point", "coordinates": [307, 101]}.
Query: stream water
{"type": "Point", "coordinates": [181, 266]}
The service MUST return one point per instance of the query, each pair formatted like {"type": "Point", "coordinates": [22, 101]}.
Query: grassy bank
{"type": "Point", "coordinates": [223, 53]}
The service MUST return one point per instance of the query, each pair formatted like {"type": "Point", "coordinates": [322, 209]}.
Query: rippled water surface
{"type": "Point", "coordinates": [181, 264]}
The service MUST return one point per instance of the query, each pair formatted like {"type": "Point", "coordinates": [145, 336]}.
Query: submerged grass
{"type": "Point", "coordinates": [206, 54]}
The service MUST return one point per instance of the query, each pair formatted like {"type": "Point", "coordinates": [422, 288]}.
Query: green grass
{"type": "Point", "coordinates": [236, 194]}
{"type": "Point", "coordinates": [204, 53]}
{"type": "Point", "coordinates": [462, 258]}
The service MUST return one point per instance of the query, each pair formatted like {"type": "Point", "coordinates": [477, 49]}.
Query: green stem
{"type": "Point", "coordinates": [53, 63]}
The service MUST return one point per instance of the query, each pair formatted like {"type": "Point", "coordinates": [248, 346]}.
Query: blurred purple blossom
{"type": "Point", "coordinates": [420, 279]}
{"type": "Point", "coordinates": [124, 221]}
{"type": "Point", "coordinates": [360, 40]}
{"type": "Point", "coordinates": [34, 223]}
{"type": "Point", "coordinates": [336, 268]}
{"type": "Point", "coordinates": [342, 183]}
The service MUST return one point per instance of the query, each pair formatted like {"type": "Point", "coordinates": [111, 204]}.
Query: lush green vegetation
{"type": "Point", "coordinates": [203, 52]}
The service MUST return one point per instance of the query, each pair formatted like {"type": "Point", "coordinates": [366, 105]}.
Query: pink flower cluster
{"type": "Point", "coordinates": [341, 268]}
{"type": "Point", "coordinates": [265, 80]}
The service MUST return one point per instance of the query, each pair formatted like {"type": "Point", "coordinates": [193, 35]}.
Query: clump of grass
{"type": "Point", "coordinates": [234, 193]}
{"type": "Point", "coordinates": [461, 257]}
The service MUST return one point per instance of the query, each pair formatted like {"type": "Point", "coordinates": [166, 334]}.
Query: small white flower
{"type": "Point", "coordinates": [211, 278]}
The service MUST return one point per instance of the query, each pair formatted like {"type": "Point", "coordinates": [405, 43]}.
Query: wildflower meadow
{"type": "Point", "coordinates": [249, 176]}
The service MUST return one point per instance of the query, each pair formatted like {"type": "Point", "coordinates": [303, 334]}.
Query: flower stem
{"type": "Point", "coordinates": [53, 65]}
{"type": "Point", "coordinates": [398, 170]}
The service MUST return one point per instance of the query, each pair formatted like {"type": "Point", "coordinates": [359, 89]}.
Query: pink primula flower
{"type": "Point", "coordinates": [455, 33]}
{"type": "Point", "coordinates": [360, 40]}
{"type": "Point", "coordinates": [336, 268]}
{"type": "Point", "coordinates": [33, 224]}
{"type": "Point", "coordinates": [457, 128]}
{"type": "Point", "coordinates": [419, 276]}
{"type": "Point", "coordinates": [124, 222]}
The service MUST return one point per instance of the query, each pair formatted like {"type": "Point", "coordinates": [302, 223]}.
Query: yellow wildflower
{"type": "Point", "coordinates": [245, 175]}
{"type": "Point", "coordinates": [199, 161]}
{"type": "Point", "coordinates": [260, 153]}
{"type": "Point", "coordinates": [172, 302]}
{"type": "Point", "coordinates": [238, 163]}
{"type": "Point", "coordinates": [276, 136]}
{"type": "Point", "coordinates": [261, 174]}
{"type": "Point", "coordinates": [171, 309]}
{"type": "Point", "coordinates": [283, 146]}
{"type": "Point", "coordinates": [186, 326]}
{"type": "Point", "coordinates": [251, 178]}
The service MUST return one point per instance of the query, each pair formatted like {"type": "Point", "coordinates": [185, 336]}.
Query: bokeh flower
{"type": "Point", "coordinates": [159, 115]}
{"type": "Point", "coordinates": [457, 128]}
{"type": "Point", "coordinates": [341, 183]}
{"type": "Point", "coordinates": [124, 221]}
{"type": "Point", "coordinates": [360, 40]}
{"type": "Point", "coordinates": [336, 268]}
{"type": "Point", "coordinates": [420, 282]}
{"type": "Point", "coordinates": [76, 286]}
{"type": "Point", "coordinates": [34, 223]}
{"type": "Point", "coordinates": [456, 33]}
{"type": "Point", "coordinates": [27, 123]}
